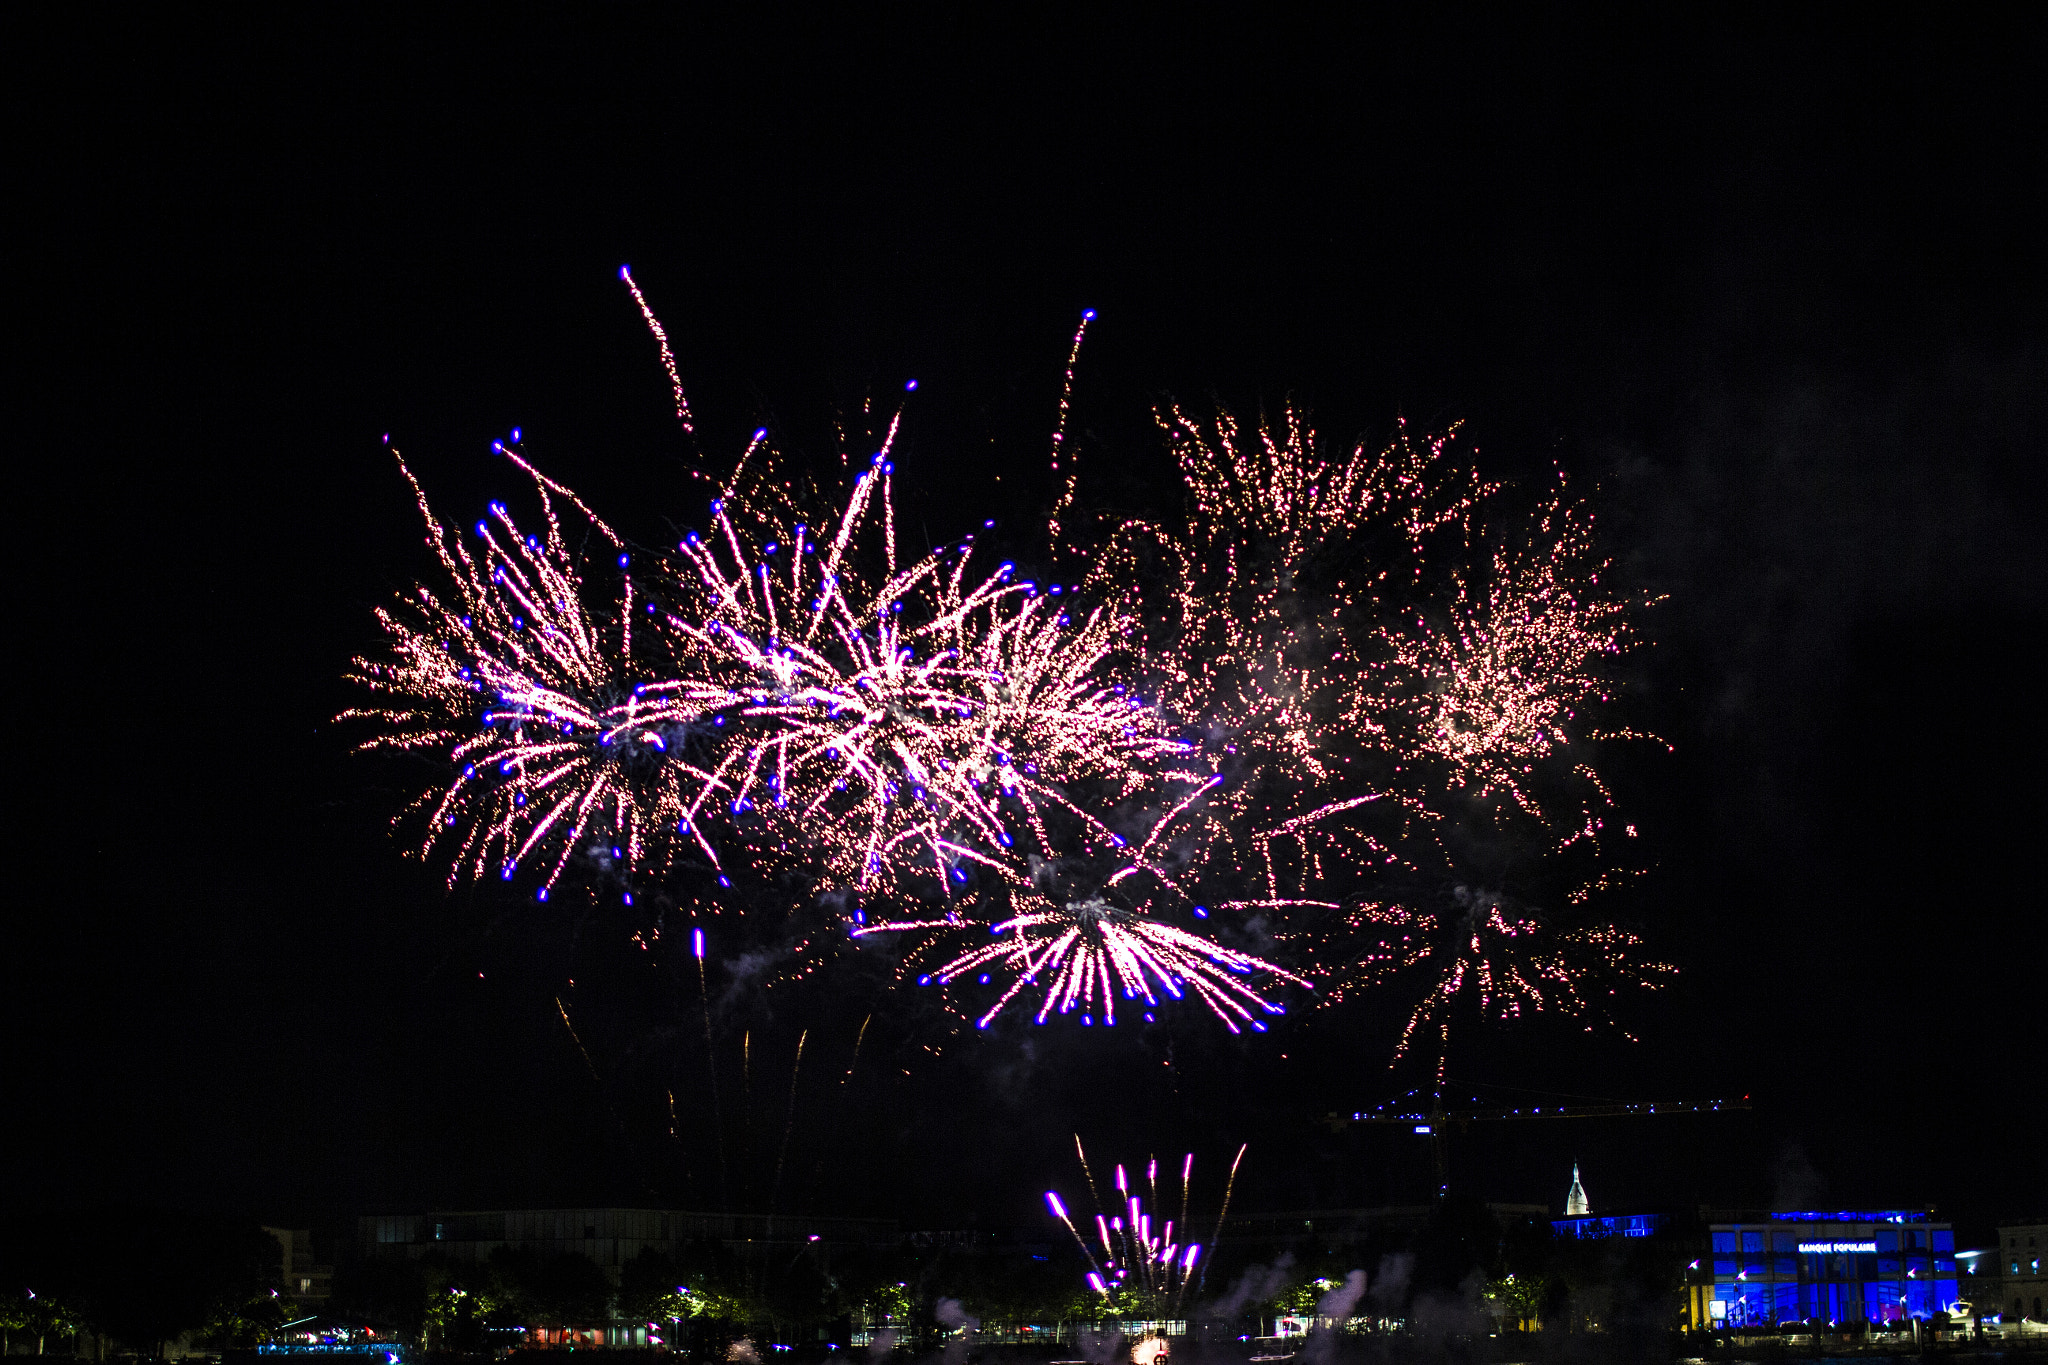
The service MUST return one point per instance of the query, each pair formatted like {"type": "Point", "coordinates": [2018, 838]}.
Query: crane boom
{"type": "Point", "coordinates": [1554, 1111]}
{"type": "Point", "coordinates": [1435, 1120]}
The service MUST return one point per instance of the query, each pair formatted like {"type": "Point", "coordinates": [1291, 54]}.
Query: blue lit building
{"type": "Point", "coordinates": [1613, 1225]}
{"type": "Point", "coordinates": [1836, 1266]}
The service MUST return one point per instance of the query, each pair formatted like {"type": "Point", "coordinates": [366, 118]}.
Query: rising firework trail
{"type": "Point", "coordinates": [711, 1068]}
{"type": "Point", "coordinates": [789, 1123]}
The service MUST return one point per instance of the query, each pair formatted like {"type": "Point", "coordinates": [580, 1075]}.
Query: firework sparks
{"type": "Point", "coordinates": [1084, 929]}
{"type": "Point", "coordinates": [1479, 951]}
{"type": "Point", "coordinates": [1087, 953]}
{"type": "Point", "coordinates": [522, 676]}
{"type": "Point", "coordinates": [1329, 682]}
{"type": "Point", "coordinates": [1259, 613]}
{"type": "Point", "coordinates": [912, 724]}
{"type": "Point", "coordinates": [1495, 684]}
{"type": "Point", "coordinates": [915, 725]}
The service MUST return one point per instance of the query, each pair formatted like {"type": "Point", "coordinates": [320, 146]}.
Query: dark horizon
{"type": "Point", "coordinates": [1772, 298]}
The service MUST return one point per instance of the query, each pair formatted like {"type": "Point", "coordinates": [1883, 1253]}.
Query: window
{"type": "Point", "coordinates": [590, 1229]}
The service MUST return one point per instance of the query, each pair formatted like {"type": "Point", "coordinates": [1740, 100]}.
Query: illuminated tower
{"type": "Point", "coordinates": [1575, 1205]}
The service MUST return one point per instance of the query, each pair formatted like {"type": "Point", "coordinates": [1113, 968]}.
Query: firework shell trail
{"type": "Point", "coordinates": [668, 358]}
{"type": "Point", "coordinates": [1061, 454]}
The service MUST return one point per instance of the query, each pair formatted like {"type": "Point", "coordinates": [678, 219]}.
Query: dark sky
{"type": "Point", "coordinates": [1773, 295]}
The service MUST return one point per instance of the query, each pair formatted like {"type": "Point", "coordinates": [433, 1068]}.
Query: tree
{"type": "Point", "coordinates": [562, 1289]}
{"type": "Point", "coordinates": [25, 1313]}
{"type": "Point", "coordinates": [1520, 1297]}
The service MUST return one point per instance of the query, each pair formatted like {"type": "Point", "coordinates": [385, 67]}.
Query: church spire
{"type": "Point", "coordinates": [1575, 1205]}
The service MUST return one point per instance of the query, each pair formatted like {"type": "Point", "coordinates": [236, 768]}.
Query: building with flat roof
{"type": "Point", "coordinates": [609, 1237]}
{"type": "Point", "coordinates": [1753, 1269]}
{"type": "Point", "coordinates": [303, 1280]}
{"type": "Point", "coordinates": [1873, 1265]}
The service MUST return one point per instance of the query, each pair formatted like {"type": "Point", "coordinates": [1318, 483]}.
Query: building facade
{"type": "Point", "coordinates": [305, 1282]}
{"type": "Point", "coordinates": [1836, 1266]}
{"type": "Point", "coordinates": [2023, 1289]}
{"type": "Point", "coordinates": [609, 1237]}
{"type": "Point", "coordinates": [1833, 1266]}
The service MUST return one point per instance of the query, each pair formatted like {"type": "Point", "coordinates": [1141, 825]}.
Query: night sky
{"type": "Point", "coordinates": [1774, 297]}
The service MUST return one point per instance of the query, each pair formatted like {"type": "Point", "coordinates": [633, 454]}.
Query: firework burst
{"type": "Point", "coordinates": [1493, 684]}
{"type": "Point", "coordinates": [522, 674]}
{"type": "Point", "coordinates": [1081, 929]}
{"type": "Point", "coordinates": [1311, 672]}
{"type": "Point", "coordinates": [1259, 614]}
{"type": "Point", "coordinates": [1475, 949]}
{"type": "Point", "coordinates": [773, 692]}
{"type": "Point", "coordinates": [909, 723]}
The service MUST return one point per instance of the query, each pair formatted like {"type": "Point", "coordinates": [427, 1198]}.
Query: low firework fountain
{"type": "Point", "coordinates": [1140, 1254]}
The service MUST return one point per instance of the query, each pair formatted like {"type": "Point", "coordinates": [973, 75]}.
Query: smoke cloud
{"type": "Point", "coordinates": [1256, 1285]}
{"type": "Point", "coordinates": [1455, 1314]}
{"type": "Point", "coordinates": [1338, 1305]}
{"type": "Point", "coordinates": [1099, 1348]}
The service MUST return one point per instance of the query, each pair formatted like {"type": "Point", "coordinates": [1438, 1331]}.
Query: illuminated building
{"type": "Point", "coordinates": [2023, 1292]}
{"type": "Point", "coordinates": [1575, 1203]}
{"type": "Point", "coordinates": [1834, 1266]}
{"type": "Point", "coordinates": [1831, 1266]}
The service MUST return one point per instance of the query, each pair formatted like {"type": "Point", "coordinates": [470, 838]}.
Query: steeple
{"type": "Point", "coordinates": [1575, 1205]}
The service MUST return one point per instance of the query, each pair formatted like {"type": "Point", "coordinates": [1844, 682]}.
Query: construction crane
{"type": "Point", "coordinates": [1435, 1121]}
